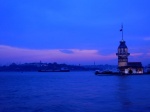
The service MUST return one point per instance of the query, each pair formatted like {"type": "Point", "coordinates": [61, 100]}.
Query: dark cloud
{"type": "Point", "coordinates": [66, 51]}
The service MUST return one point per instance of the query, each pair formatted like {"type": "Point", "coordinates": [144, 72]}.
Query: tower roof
{"type": "Point", "coordinates": [122, 44]}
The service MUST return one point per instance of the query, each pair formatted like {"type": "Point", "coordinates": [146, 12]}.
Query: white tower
{"type": "Point", "coordinates": [122, 54]}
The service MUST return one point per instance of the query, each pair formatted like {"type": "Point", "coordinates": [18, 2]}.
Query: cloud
{"type": "Point", "coordinates": [136, 54]}
{"type": "Point", "coordinates": [66, 51]}
{"type": "Point", "coordinates": [147, 39]}
{"type": "Point", "coordinates": [148, 54]}
{"type": "Point", "coordinates": [72, 56]}
{"type": "Point", "coordinates": [140, 57]}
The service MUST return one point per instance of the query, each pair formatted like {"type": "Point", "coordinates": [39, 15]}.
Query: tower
{"type": "Point", "coordinates": [122, 54]}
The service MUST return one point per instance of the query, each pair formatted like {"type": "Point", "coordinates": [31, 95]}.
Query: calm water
{"type": "Point", "coordinates": [73, 92]}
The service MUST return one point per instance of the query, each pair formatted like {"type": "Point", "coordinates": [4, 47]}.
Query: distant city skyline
{"type": "Point", "coordinates": [73, 31]}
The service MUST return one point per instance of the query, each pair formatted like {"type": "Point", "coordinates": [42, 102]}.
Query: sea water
{"type": "Point", "coordinates": [73, 92]}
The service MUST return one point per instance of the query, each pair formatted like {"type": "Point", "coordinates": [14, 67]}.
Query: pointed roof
{"type": "Point", "coordinates": [122, 44]}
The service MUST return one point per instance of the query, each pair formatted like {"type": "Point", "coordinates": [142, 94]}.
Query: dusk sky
{"type": "Point", "coordinates": [73, 31]}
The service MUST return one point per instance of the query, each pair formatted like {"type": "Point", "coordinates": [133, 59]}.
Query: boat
{"type": "Point", "coordinates": [61, 70]}
{"type": "Point", "coordinates": [103, 72]}
{"type": "Point", "coordinates": [53, 70]}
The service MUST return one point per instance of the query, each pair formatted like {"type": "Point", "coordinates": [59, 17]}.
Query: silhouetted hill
{"type": "Point", "coordinates": [54, 66]}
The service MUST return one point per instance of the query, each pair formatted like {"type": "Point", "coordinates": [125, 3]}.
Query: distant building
{"type": "Point", "coordinates": [124, 66]}
{"type": "Point", "coordinates": [148, 69]}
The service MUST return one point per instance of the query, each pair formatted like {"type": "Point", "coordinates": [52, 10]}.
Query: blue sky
{"type": "Point", "coordinates": [69, 26]}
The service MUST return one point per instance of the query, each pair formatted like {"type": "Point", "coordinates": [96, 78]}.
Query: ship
{"type": "Point", "coordinates": [61, 70]}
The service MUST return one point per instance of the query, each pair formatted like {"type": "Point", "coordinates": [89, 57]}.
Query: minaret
{"type": "Point", "coordinates": [122, 54]}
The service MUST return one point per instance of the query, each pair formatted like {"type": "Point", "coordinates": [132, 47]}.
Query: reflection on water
{"type": "Point", "coordinates": [123, 93]}
{"type": "Point", "coordinates": [133, 93]}
{"type": "Point", "coordinates": [73, 92]}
